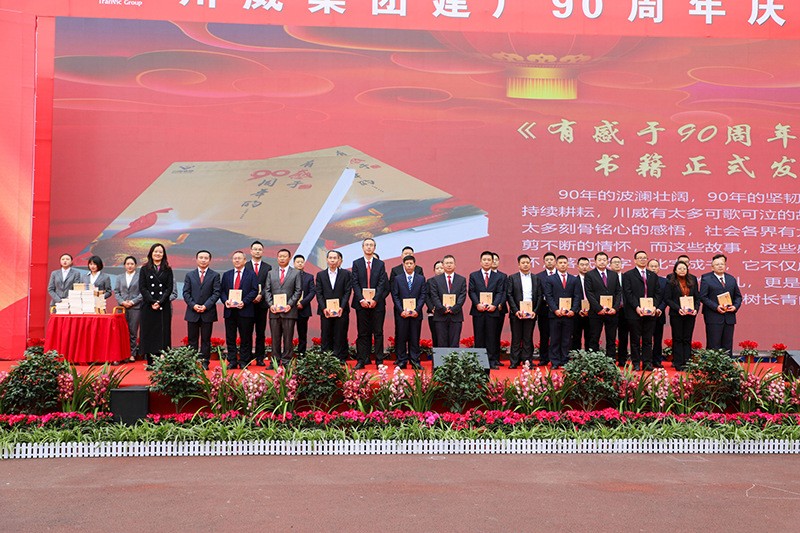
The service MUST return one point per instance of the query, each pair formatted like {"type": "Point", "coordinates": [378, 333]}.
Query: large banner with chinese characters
{"type": "Point", "coordinates": [460, 141]}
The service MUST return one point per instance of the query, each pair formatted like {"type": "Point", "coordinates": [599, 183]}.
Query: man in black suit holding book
{"type": "Point", "coordinates": [333, 294]}
{"type": "Point", "coordinates": [604, 292]}
{"type": "Point", "coordinates": [261, 269]}
{"type": "Point", "coordinates": [524, 291]}
{"type": "Point", "coordinates": [448, 293]}
{"type": "Point", "coordinates": [638, 283]}
{"type": "Point", "coordinates": [370, 289]}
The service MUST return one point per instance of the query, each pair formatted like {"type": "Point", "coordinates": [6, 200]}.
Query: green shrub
{"type": "Point", "coordinates": [461, 379]}
{"type": "Point", "coordinates": [32, 386]}
{"type": "Point", "coordinates": [176, 373]}
{"type": "Point", "coordinates": [716, 378]}
{"type": "Point", "coordinates": [319, 375]}
{"type": "Point", "coordinates": [591, 377]}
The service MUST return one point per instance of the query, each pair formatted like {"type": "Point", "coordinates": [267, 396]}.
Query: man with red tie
{"type": "Point", "coordinates": [287, 282]}
{"type": "Point", "coordinates": [261, 269]}
{"type": "Point", "coordinates": [638, 283]}
{"type": "Point", "coordinates": [485, 314]}
{"type": "Point", "coordinates": [557, 287]}
{"type": "Point", "coordinates": [369, 272]}
{"type": "Point", "coordinates": [720, 319]}
{"type": "Point", "coordinates": [201, 290]}
{"type": "Point", "coordinates": [239, 315]}
{"type": "Point", "coordinates": [581, 328]}
{"type": "Point", "coordinates": [448, 319]}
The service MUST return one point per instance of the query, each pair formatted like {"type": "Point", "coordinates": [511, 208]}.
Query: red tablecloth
{"type": "Point", "coordinates": [89, 338]}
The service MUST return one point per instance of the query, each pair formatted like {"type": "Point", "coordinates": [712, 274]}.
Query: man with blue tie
{"type": "Point", "coordinates": [408, 320]}
{"type": "Point", "coordinates": [558, 286]}
{"type": "Point", "coordinates": [369, 273]}
{"type": "Point", "coordinates": [485, 314]}
{"type": "Point", "coordinates": [720, 319]}
{"type": "Point", "coordinates": [201, 290]}
{"type": "Point", "coordinates": [304, 311]}
{"type": "Point", "coordinates": [239, 315]}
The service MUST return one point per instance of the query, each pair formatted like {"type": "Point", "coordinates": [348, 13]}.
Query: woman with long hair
{"type": "Point", "coordinates": [681, 318]}
{"type": "Point", "coordinates": [155, 284]}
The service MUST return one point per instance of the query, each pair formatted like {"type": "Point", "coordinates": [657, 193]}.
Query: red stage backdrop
{"type": "Point", "coordinates": [621, 128]}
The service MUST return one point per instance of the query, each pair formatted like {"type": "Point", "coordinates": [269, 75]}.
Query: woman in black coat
{"type": "Point", "coordinates": [155, 284]}
{"type": "Point", "coordinates": [681, 283]}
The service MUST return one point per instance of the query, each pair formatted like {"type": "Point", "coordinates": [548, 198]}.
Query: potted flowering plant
{"type": "Point", "coordinates": [667, 351]}
{"type": "Point", "coordinates": [779, 352]}
{"type": "Point", "coordinates": [749, 350]}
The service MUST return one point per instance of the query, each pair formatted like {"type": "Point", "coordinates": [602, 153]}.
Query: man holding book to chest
{"type": "Point", "coordinates": [280, 295]}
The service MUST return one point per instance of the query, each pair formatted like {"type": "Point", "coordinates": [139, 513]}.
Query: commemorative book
{"type": "Point", "coordinates": [526, 307]}
{"type": "Point", "coordinates": [222, 206]}
{"type": "Point", "coordinates": [687, 303]}
{"type": "Point", "coordinates": [332, 305]}
{"type": "Point", "coordinates": [647, 305]}
{"type": "Point", "coordinates": [724, 299]}
{"type": "Point", "coordinates": [584, 305]}
{"type": "Point", "coordinates": [565, 304]}
{"type": "Point", "coordinates": [368, 294]}
{"type": "Point", "coordinates": [486, 298]}
{"type": "Point", "coordinates": [279, 300]}
{"type": "Point", "coordinates": [448, 300]}
{"type": "Point", "coordinates": [607, 302]}
{"type": "Point", "coordinates": [235, 295]}
{"type": "Point", "coordinates": [409, 304]}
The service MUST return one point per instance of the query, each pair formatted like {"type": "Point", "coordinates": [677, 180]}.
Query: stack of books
{"type": "Point", "coordinates": [62, 307]}
{"type": "Point", "coordinates": [75, 302]}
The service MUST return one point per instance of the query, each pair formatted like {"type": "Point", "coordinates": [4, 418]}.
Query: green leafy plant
{"type": "Point", "coordinates": [177, 373]}
{"type": "Point", "coordinates": [461, 379]}
{"type": "Point", "coordinates": [421, 391]}
{"type": "Point", "coordinates": [592, 377]}
{"type": "Point", "coordinates": [32, 385]}
{"type": "Point", "coordinates": [533, 390]}
{"type": "Point", "coordinates": [80, 393]}
{"type": "Point", "coordinates": [716, 377]}
{"type": "Point", "coordinates": [319, 376]}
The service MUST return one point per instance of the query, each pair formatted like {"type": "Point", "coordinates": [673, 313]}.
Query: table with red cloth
{"type": "Point", "coordinates": [89, 338]}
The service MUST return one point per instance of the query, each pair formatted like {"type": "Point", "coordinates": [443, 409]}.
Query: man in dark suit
{"type": "Point", "coordinates": [304, 310]}
{"type": "Point", "coordinates": [580, 333]}
{"type": "Point", "coordinates": [543, 313]}
{"type": "Point", "coordinates": [399, 271]}
{"type": "Point", "coordinates": [368, 272]}
{"type": "Point", "coordinates": [261, 268]}
{"type": "Point", "coordinates": [638, 283]}
{"type": "Point", "coordinates": [239, 315]}
{"type": "Point", "coordinates": [654, 266]}
{"type": "Point", "coordinates": [289, 283]}
{"type": "Point", "coordinates": [486, 317]}
{"type": "Point", "coordinates": [615, 265]}
{"type": "Point", "coordinates": [408, 321]}
{"type": "Point", "coordinates": [334, 283]}
{"type": "Point", "coordinates": [558, 286]}
{"type": "Point", "coordinates": [448, 320]}
{"type": "Point", "coordinates": [201, 290]}
{"type": "Point", "coordinates": [62, 280]}
{"type": "Point", "coordinates": [522, 286]}
{"type": "Point", "coordinates": [502, 308]}
{"type": "Point", "coordinates": [720, 320]}
{"type": "Point", "coordinates": [603, 282]}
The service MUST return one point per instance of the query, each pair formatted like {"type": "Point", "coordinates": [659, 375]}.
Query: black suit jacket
{"type": "Point", "coordinates": [400, 290]}
{"type": "Point", "coordinates": [377, 281]}
{"type": "Point", "coordinates": [340, 291]}
{"type": "Point", "coordinates": [263, 270]}
{"type": "Point", "coordinates": [307, 296]}
{"type": "Point", "coordinates": [555, 290]}
{"type": "Point", "coordinates": [477, 285]}
{"type": "Point", "coordinates": [207, 294]}
{"type": "Point", "coordinates": [633, 289]}
{"type": "Point", "coordinates": [673, 293]}
{"type": "Point", "coordinates": [514, 292]}
{"type": "Point", "coordinates": [710, 288]}
{"type": "Point", "coordinates": [400, 271]}
{"type": "Point", "coordinates": [543, 308]}
{"type": "Point", "coordinates": [438, 287]}
{"type": "Point", "coordinates": [249, 287]}
{"type": "Point", "coordinates": [595, 288]}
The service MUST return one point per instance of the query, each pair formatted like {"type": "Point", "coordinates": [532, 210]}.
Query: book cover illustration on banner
{"type": "Point", "coordinates": [397, 210]}
{"type": "Point", "coordinates": [222, 206]}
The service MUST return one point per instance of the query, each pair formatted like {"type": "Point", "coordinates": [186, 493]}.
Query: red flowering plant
{"type": "Point", "coordinates": [390, 349]}
{"type": "Point", "coordinates": [749, 349]}
{"type": "Point", "coordinates": [357, 390]}
{"type": "Point", "coordinates": [34, 346]}
{"type": "Point", "coordinates": [778, 350]}
{"type": "Point", "coordinates": [697, 347]}
{"type": "Point", "coordinates": [468, 342]}
{"type": "Point", "coordinates": [505, 347]}
{"type": "Point", "coordinates": [762, 390]}
{"type": "Point", "coordinates": [426, 348]}
{"type": "Point", "coordinates": [496, 391]}
{"type": "Point", "coordinates": [667, 350]}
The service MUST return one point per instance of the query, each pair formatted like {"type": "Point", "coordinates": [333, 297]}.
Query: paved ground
{"type": "Point", "coordinates": [404, 493]}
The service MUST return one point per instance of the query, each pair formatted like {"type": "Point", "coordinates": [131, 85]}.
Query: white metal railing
{"type": "Point", "coordinates": [392, 447]}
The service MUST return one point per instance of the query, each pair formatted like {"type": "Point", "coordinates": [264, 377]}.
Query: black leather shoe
{"type": "Point", "coordinates": [379, 363]}
{"type": "Point", "coordinates": [658, 365]}
{"type": "Point", "coordinates": [513, 367]}
{"type": "Point", "coordinates": [401, 367]}
{"type": "Point", "coordinates": [116, 363]}
{"type": "Point", "coordinates": [543, 363]}
{"type": "Point", "coordinates": [359, 366]}
{"type": "Point", "coordinates": [648, 368]}
{"type": "Point", "coordinates": [494, 367]}
{"type": "Point", "coordinates": [500, 364]}
{"type": "Point", "coordinates": [260, 363]}
{"type": "Point", "coordinates": [204, 364]}
{"type": "Point", "coordinates": [635, 366]}
{"type": "Point", "coordinates": [416, 366]}
{"type": "Point", "coordinates": [232, 366]}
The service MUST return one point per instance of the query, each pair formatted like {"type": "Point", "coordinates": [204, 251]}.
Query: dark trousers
{"type": "Point", "coordinates": [200, 331]}
{"type": "Point", "coordinates": [641, 331]}
{"type": "Point", "coordinates": [720, 336]}
{"type": "Point", "coordinates": [244, 326]}
{"type": "Point", "coordinates": [544, 336]}
{"type": "Point", "coordinates": [485, 329]}
{"type": "Point", "coordinates": [658, 340]}
{"type": "Point", "coordinates": [434, 335]}
{"type": "Point", "coordinates": [498, 332]}
{"type": "Point", "coordinates": [132, 317]}
{"type": "Point", "coordinates": [334, 335]}
{"type": "Point", "coordinates": [369, 324]}
{"type": "Point", "coordinates": [260, 324]}
{"type": "Point", "coordinates": [521, 339]}
{"type": "Point", "coordinates": [407, 333]}
{"type": "Point", "coordinates": [596, 326]}
{"type": "Point", "coordinates": [282, 331]}
{"type": "Point", "coordinates": [580, 329]}
{"type": "Point", "coordinates": [622, 334]}
{"type": "Point", "coordinates": [682, 331]}
{"type": "Point", "coordinates": [448, 333]}
{"type": "Point", "coordinates": [302, 334]}
{"type": "Point", "coordinates": [560, 339]}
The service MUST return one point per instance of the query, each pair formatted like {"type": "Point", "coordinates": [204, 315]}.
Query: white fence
{"type": "Point", "coordinates": [391, 447]}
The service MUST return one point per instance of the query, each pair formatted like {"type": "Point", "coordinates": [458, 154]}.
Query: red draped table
{"type": "Point", "coordinates": [89, 338]}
